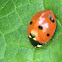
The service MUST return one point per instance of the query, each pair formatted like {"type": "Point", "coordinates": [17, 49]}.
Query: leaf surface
{"type": "Point", "coordinates": [15, 46]}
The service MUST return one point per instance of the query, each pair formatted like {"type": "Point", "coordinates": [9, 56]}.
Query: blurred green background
{"type": "Point", "coordinates": [15, 46]}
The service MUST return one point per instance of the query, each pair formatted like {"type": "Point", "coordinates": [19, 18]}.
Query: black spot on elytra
{"type": "Point", "coordinates": [48, 34]}
{"type": "Point", "coordinates": [52, 19]}
{"type": "Point", "coordinates": [30, 22]}
{"type": "Point", "coordinates": [40, 27]}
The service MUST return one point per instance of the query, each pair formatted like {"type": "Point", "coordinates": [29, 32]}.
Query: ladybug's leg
{"type": "Point", "coordinates": [45, 44]}
{"type": "Point", "coordinates": [52, 39]}
{"type": "Point", "coordinates": [34, 42]}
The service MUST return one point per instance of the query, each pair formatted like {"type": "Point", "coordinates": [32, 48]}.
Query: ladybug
{"type": "Point", "coordinates": [41, 28]}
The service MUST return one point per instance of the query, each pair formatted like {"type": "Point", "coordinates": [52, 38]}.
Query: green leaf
{"type": "Point", "coordinates": [15, 46]}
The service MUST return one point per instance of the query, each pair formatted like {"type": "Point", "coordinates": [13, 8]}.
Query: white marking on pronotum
{"type": "Point", "coordinates": [34, 32]}
{"type": "Point", "coordinates": [39, 45]}
{"type": "Point", "coordinates": [29, 36]}
{"type": "Point", "coordinates": [34, 38]}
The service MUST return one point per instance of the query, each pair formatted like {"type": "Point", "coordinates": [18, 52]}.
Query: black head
{"type": "Point", "coordinates": [34, 43]}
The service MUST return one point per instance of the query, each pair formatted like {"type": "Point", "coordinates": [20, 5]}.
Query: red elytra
{"type": "Point", "coordinates": [42, 26]}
